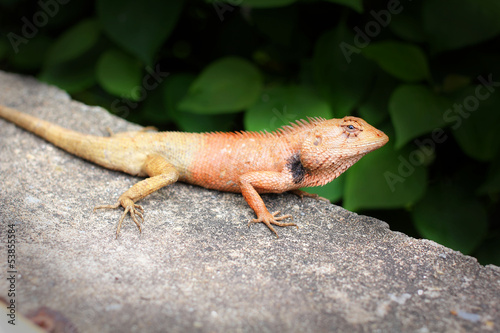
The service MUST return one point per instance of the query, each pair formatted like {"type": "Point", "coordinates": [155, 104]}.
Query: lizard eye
{"type": "Point", "coordinates": [351, 128]}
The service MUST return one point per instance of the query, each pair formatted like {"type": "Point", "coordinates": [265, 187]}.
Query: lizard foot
{"type": "Point", "coordinates": [136, 212]}
{"type": "Point", "coordinates": [269, 219]}
{"type": "Point", "coordinates": [303, 194]}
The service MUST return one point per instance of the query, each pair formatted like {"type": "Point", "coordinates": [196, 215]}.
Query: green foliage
{"type": "Point", "coordinates": [343, 82]}
{"type": "Point", "coordinates": [425, 72]}
{"type": "Point", "coordinates": [74, 42]}
{"type": "Point", "coordinates": [374, 181]}
{"type": "Point", "coordinates": [408, 27]}
{"type": "Point", "coordinates": [32, 55]}
{"type": "Point", "coordinates": [451, 216]}
{"type": "Point", "coordinates": [227, 85]}
{"type": "Point", "coordinates": [139, 27]}
{"type": "Point", "coordinates": [477, 134]}
{"type": "Point", "coordinates": [287, 103]}
{"type": "Point", "coordinates": [70, 60]}
{"type": "Point", "coordinates": [415, 110]}
{"type": "Point", "coordinates": [175, 88]}
{"type": "Point", "coordinates": [375, 108]}
{"type": "Point", "coordinates": [118, 73]}
{"type": "Point", "coordinates": [452, 24]}
{"type": "Point", "coordinates": [405, 61]}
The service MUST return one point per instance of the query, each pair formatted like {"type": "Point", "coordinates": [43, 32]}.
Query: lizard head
{"type": "Point", "coordinates": [339, 143]}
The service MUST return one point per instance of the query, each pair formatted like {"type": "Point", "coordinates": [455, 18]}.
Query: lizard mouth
{"type": "Point", "coordinates": [371, 145]}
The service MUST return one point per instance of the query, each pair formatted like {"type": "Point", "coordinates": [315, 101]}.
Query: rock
{"type": "Point", "coordinates": [197, 266]}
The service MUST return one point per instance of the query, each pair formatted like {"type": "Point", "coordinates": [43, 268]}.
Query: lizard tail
{"type": "Point", "coordinates": [79, 144]}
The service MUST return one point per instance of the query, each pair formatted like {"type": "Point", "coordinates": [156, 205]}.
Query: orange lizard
{"type": "Point", "coordinates": [303, 154]}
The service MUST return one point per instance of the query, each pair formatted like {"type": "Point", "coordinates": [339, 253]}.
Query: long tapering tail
{"type": "Point", "coordinates": [79, 144]}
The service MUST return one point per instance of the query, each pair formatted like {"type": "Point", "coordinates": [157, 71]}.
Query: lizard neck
{"type": "Point", "coordinates": [326, 174]}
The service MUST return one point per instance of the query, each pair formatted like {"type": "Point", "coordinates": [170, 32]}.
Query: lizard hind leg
{"type": "Point", "coordinates": [161, 174]}
{"type": "Point", "coordinates": [303, 194]}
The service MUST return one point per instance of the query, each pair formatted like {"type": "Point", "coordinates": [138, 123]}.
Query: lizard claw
{"type": "Point", "coordinates": [136, 212]}
{"type": "Point", "coordinates": [269, 219]}
{"type": "Point", "coordinates": [303, 194]}
{"type": "Point", "coordinates": [133, 210]}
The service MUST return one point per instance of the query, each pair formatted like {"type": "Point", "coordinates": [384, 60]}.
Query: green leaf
{"type": "Point", "coordinates": [342, 75]}
{"type": "Point", "coordinates": [385, 178]}
{"type": "Point", "coordinates": [405, 61]}
{"type": "Point", "coordinates": [333, 191]}
{"type": "Point", "coordinates": [376, 107]}
{"type": "Point", "coordinates": [452, 217]}
{"type": "Point", "coordinates": [153, 110]}
{"type": "Point", "coordinates": [175, 88]}
{"type": "Point", "coordinates": [204, 123]}
{"type": "Point", "coordinates": [76, 41]}
{"type": "Point", "coordinates": [120, 74]}
{"type": "Point", "coordinates": [416, 110]}
{"type": "Point", "coordinates": [476, 123]}
{"type": "Point", "coordinates": [140, 27]}
{"type": "Point", "coordinates": [72, 76]}
{"type": "Point", "coordinates": [452, 24]}
{"type": "Point", "coordinates": [408, 27]}
{"type": "Point", "coordinates": [357, 5]}
{"type": "Point", "coordinates": [281, 105]}
{"type": "Point", "coordinates": [227, 85]}
{"type": "Point", "coordinates": [31, 56]}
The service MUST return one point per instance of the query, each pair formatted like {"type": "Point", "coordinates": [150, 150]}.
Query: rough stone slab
{"type": "Point", "coordinates": [197, 267]}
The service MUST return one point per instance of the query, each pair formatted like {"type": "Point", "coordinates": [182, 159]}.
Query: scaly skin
{"type": "Point", "coordinates": [308, 153]}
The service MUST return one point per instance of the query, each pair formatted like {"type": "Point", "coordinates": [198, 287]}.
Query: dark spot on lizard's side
{"type": "Point", "coordinates": [296, 168]}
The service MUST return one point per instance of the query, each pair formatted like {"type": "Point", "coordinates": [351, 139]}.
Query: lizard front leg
{"type": "Point", "coordinates": [161, 174]}
{"type": "Point", "coordinates": [267, 181]}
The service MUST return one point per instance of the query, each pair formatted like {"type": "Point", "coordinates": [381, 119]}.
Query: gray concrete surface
{"type": "Point", "coordinates": [197, 267]}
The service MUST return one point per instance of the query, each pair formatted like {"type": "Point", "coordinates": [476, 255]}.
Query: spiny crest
{"type": "Point", "coordinates": [294, 127]}
{"type": "Point", "coordinates": [299, 125]}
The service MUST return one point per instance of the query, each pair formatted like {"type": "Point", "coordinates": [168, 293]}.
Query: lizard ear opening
{"type": "Point", "coordinates": [318, 140]}
{"type": "Point", "coordinates": [313, 152]}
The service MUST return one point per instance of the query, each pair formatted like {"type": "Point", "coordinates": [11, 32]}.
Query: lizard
{"type": "Point", "coordinates": [306, 153]}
